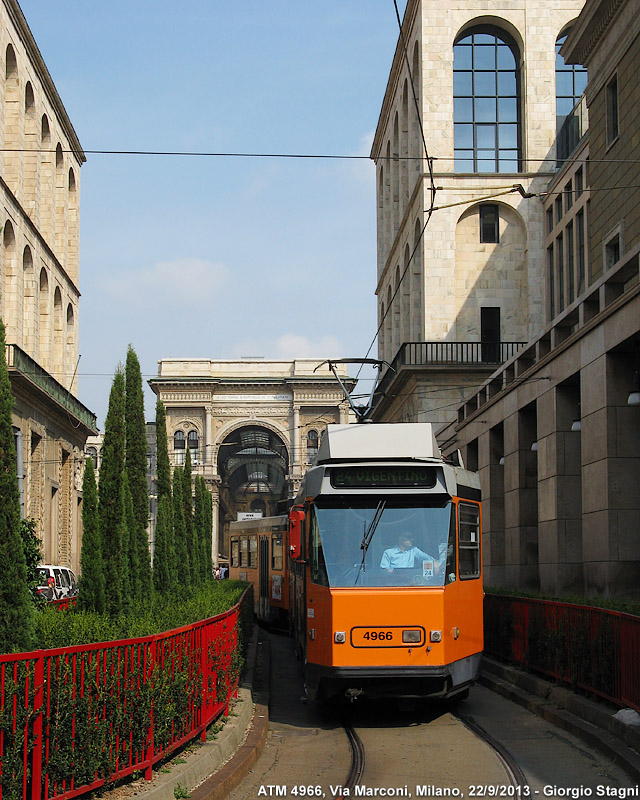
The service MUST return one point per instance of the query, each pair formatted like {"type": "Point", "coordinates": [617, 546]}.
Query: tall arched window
{"type": "Point", "coordinates": [194, 446]}
{"type": "Point", "coordinates": [571, 81]}
{"type": "Point", "coordinates": [179, 447]}
{"type": "Point", "coordinates": [486, 101]}
{"type": "Point", "coordinates": [312, 444]}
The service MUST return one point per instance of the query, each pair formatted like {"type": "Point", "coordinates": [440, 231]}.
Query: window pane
{"type": "Point", "coordinates": [507, 109]}
{"type": "Point", "coordinates": [485, 84]}
{"type": "Point", "coordinates": [462, 56]}
{"type": "Point", "coordinates": [486, 165]}
{"type": "Point", "coordinates": [508, 162]}
{"type": "Point", "coordinates": [486, 136]}
{"type": "Point", "coordinates": [564, 106]}
{"type": "Point", "coordinates": [462, 83]}
{"type": "Point", "coordinates": [463, 136]}
{"type": "Point", "coordinates": [564, 84]}
{"type": "Point", "coordinates": [462, 110]}
{"type": "Point", "coordinates": [508, 136]}
{"type": "Point", "coordinates": [485, 109]}
{"type": "Point", "coordinates": [507, 84]}
{"type": "Point", "coordinates": [506, 59]}
{"type": "Point", "coordinates": [464, 160]}
{"type": "Point", "coordinates": [580, 82]}
{"type": "Point", "coordinates": [484, 57]}
{"type": "Point", "coordinates": [484, 38]}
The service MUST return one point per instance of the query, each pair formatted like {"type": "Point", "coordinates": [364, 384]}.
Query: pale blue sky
{"type": "Point", "coordinates": [221, 257]}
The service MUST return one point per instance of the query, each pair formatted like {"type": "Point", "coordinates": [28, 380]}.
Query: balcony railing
{"type": "Point", "coordinates": [480, 355]}
{"type": "Point", "coordinates": [574, 127]}
{"type": "Point", "coordinates": [19, 361]}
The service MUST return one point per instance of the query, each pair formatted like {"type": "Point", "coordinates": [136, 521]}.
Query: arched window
{"type": "Point", "coordinates": [571, 81]}
{"type": "Point", "coordinates": [486, 101]}
{"type": "Point", "coordinates": [312, 444]}
{"type": "Point", "coordinates": [193, 442]}
{"type": "Point", "coordinates": [45, 133]}
{"type": "Point", "coordinates": [92, 453]}
{"type": "Point", "coordinates": [11, 71]}
{"type": "Point", "coordinates": [179, 447]}
{"type": "Point", "coordinates": [29, 100]}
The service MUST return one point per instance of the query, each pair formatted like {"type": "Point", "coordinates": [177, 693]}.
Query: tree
{"type": "Point", "coordinates": [162, 452]}
{"type": "Point", "coordinates": [132, 555]}
{"type": "Point", "coordinates": [32, 548]}
{"type": "Point", "coordinates": [110, 500]}
{"type": "Point", "coordinates": [91, 591]}
{"type": "Point", "coordinates": [127, 548]}
{"type": "Point", "coordinates": [16, 608]}
{"type": "Point", "coordinates": [136, 467]}
{"type": "Point", "coordinates": [164, 578]}
{"type": "Point", "coordinates": [182, 563]}
{"type": "Point", "coordinates": [187, 501]}
{"type": "Point", "coordinates": [198, 530]}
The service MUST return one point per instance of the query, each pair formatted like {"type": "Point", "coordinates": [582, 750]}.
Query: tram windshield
{"type": "Point", "coordinates": [393, 541]}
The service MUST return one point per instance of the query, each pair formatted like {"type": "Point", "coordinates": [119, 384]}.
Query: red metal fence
{"type": "Point", "coordinates": [590, 648]}
{"type": "Point", "coordinates": [74, 718]}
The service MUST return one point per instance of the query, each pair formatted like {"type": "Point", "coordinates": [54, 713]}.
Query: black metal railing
{"type": "Point", "coordinates": [17, 359]}
{"type": "Point", "coordinates": [448, 354]}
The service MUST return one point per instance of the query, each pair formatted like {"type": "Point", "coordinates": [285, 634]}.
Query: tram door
{"type": "Point", "coordinates": [263, 577]}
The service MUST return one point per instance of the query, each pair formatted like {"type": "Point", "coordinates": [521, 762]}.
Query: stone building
{"type": "Point", "coordinates": [251, 426]}
{"type": "Point", "coordinates": [461, 288]}
{"type": "Point", "coordinates": [40, 160]}
{"type": "Point", "coordinates": [555, 432]}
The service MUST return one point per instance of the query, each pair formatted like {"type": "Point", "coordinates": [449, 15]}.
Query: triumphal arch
{"type": "Point", "coordinates": [251, 426]}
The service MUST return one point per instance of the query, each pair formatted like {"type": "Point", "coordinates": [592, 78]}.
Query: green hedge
{"type": "Point", "coordinates": [160, 613]}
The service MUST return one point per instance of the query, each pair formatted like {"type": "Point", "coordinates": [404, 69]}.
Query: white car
{"type": "Point", "coordinates": [56, 582]}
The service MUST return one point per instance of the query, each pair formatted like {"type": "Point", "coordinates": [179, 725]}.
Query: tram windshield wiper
{"type": "Point", "coordinates": [368, 536]}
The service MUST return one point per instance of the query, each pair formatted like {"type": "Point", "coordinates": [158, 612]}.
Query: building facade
{"type": "Point", "coordinates": [251, 427]}
{"type": "Point", "coordinates": [461, 272]}
{"type": "Point", "coordinates": [40, 160]}
{"type": "Point", "coordinates": [555, 432]}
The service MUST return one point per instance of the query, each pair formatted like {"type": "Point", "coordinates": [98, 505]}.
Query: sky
{"type": "Point", "coordinates": [196, 257]}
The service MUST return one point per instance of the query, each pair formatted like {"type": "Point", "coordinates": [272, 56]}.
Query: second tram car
{"type": "Point", "coordinates": [383, 573]}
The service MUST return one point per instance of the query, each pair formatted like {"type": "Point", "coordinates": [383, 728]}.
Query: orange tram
{"type": "Point", "coordinates": [377, 568]}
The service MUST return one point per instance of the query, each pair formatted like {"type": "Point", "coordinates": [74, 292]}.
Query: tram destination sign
{"type": "Point", "coordinates": [387, 477]}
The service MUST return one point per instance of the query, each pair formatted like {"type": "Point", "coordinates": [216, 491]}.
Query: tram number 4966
{"type": "Point", "coordinates": [377, 635]}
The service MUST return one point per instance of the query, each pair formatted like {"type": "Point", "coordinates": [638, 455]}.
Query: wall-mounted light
{"type": "Point", "coordinates": [501, 462]}
{"type": "Point", "coordinates": [576, 425]}
{"type": "Point", "coordinates": [534, 447]}
{"type": "Point", "coordinates": [634, 394]}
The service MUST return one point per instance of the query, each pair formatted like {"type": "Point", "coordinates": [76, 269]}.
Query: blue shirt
{"type": "Point", "coordinates": [395, 558]}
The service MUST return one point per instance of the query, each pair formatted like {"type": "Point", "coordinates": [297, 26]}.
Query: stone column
{"type": "Point", "coordinates": [208, 436]}
{"type": "Point", "coordinates": [215, 511]}
{"type": "Point", "coordinates": [295, 438]}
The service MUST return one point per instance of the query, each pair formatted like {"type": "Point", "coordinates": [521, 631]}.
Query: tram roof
{"type": "Point", "coordinates": [403, 440]}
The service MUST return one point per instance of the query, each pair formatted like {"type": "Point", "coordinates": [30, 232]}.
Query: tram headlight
{"type": "Point", "coordinates": [339, 637]}
{"type": "Point", "coordinates": [411, 637]}
{"type": "Point", "coordinates": [435, 636]}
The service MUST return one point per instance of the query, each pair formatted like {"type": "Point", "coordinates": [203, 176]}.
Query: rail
{"type": "Point", "coordinates": [591, 649]}
{"type": "Point", "coordinates": [468, 354]}
{"type": "Point", "coordinates": [75, 718]}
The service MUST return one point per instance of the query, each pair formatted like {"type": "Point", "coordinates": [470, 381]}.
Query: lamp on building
{"type": "Point", "coordinates": [634, 394]}
{"type": "Point", "coordinates": [501, 462]}
{"type": "Point", "coordinates": [534, 447]}
{"type": "Point", "coordinates": [576, 425]}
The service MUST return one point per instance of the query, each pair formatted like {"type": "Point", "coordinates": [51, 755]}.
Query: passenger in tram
{"type": "Point", "coordinates": [405, 555]}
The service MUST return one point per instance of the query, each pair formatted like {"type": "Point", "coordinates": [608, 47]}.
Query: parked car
{"type": "Point", "coordinates": [56, 582]}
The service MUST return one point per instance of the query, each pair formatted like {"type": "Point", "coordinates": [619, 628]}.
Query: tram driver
{"type": "Point", "coordinates": [406, 555]}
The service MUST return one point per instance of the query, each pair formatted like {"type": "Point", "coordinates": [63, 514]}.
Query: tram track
{"type": "Point", "coordinates": [516, 776]}
{"type": "Point", "coordinates": [357, 759]}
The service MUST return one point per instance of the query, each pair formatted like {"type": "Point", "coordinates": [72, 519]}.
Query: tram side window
{"type": "Point", "coordinates": [469, 540]}
{"type": "Point", "coordinates": [235, 553]}
{"type": "Point", "coordinates": [244, 552]}
{"type": "Point", "coordinates": [276, 551]}
{"type": "Point", "coordinates": [318, 566]}
{"type": "Point", "coordinates": [450, 574]}
{"type": "Point", "coordinates": [253, 551]}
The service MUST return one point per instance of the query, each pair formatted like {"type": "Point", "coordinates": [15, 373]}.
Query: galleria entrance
{"type": "Point", "coordinates": [252, 427]}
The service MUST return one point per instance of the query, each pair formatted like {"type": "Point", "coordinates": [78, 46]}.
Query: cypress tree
{"type": "Point", "coordinates": [164, 556]}
{"type": "Point", "coordinates": [182, 563]}
{"type": "Point", "coordinates": [110, 498]}
{"type": "Point", "coordinates": [91, 590]}
{"type": "Point", "coordinates": [136, 466]}
{"type": "Point", "coordinates": [16, 608]}
{"type": "Point", "coordinates": [198, 529]}
{"type": "Point", "coordinates": [131, 553]}
{"type": "Point", "coordinates": [124, 556]}
{"type": "Point", "coordinates": [187, 500]}
{"type": "Point", "coordinates": [162, 452]}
